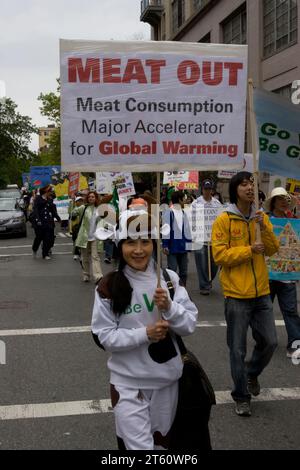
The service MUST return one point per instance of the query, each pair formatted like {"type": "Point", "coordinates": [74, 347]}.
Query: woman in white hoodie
{"type": "Point", "coordinates": [136, 322]}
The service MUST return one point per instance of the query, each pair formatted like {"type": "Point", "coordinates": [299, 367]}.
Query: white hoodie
{"type": "Point", "coordinates": [125, 336]}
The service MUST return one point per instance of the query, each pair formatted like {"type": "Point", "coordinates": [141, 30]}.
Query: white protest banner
{"type": "Point", "coordinates": [103, 183]}
{"type": "Point", "coordinates": [140, 106]}
{"type": "Point", "coordinates": [62, 206]}
{"type": "Point", "coordinates": [201, 219]}
{"type": "Point", "coordinates": [247, 166]}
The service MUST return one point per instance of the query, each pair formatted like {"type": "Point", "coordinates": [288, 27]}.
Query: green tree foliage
{"type": "Point", "coordinates": [15, 136]}
{"type": "Point", "coordinates": [50, 108]}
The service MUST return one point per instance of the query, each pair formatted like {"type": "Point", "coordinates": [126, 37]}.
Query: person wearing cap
{"type": "Point", "coordinates": [202, 258]}
{"type": "Point", "coordinates": [245, 283]}
{"type": "Point", "coordinates": [281, 204]}
{"type": "Point", "coordinates": [135, 321]}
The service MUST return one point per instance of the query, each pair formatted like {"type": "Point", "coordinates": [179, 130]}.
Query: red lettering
{"type": "Point", "coordinates": [92, 68]}
{"type": "Point", "coordinates": [134, 71]}
{"type": "Point", "coordinates": [194, 71]}
{"type": "Point", "coordinates": [233, 67]}
{"type": "Point", "coordinates": [111, 67]}
{"type": "Point", "coordinates": [218, 73]}
{"type": "Point", "coordinates": [105, 147]}
{"type": "Point", "coordinates": [155, 66]}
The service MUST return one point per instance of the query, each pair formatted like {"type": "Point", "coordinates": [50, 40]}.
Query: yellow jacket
{"type": "Point", "coordinates": [243, 274]}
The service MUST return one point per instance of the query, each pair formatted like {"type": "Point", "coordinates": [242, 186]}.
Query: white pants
{"type": "Point", "coordinates": [91, 252]}
{"type": "Point", "coordinates": [140, 413]}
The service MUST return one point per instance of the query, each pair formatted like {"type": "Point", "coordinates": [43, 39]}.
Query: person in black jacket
{"type": "Point", "coordinates": [44, 213]}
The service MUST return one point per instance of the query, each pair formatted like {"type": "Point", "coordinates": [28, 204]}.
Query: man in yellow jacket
{"type": "Point", "coordinates": [244, 278]}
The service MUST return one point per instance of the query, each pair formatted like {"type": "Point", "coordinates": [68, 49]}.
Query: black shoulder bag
{"type": "Point", "coordinates": [196, 396]}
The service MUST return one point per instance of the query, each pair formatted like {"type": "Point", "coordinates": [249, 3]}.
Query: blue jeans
{"type": "Point", "coordinates": [108, 248]}
{"type": "Point", "coordinates": [240, 314]}
{"type": "Point", "coordinates": [201, 260]}
{"type": "Point", "coordinates": [179, 260]}
{"type": "Point", "coordinates": [287, 299]}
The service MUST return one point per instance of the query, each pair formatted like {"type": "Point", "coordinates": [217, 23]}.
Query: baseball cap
{"type": "Point", "coordinates": [207, 184]}
{"type": "Point", "coordinates": [78, 198]}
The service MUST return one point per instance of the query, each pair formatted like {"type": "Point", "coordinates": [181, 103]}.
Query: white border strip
{"type": "Point", "coordinates": [88, 407]}
{"type": "Point", "coordinates": [87, 329]}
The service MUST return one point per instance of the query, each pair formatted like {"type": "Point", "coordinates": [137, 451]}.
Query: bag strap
{"type": "Point", "coordinates": [171, 289]}
{"type": "Point", "coordinates": [81, 218]}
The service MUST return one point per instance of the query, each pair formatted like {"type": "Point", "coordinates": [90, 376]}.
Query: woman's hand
{"type": "Point", "coordinates": [162, 299]}
{"type": "Point", "coordinates": [157, 331]}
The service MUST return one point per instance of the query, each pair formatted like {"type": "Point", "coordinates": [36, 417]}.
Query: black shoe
{"type": "Point", "coordinates": [107, 260]}
{"type": "Point", "coordinates": [204, 291]}
{"type": "Point", "coordinates": [253, 386]}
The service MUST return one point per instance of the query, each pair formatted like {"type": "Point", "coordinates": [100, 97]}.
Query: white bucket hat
{"type": "Point", "coordinates": [280, 192]}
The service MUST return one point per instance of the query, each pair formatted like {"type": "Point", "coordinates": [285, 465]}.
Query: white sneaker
{"type": "Point", "coordinates": [47, 257]}
{"type": "Point", "coordinates": [76, 257]}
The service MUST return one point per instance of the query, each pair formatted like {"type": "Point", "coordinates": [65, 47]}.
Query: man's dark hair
{"type": "Point", "coordinates": [176, 197]}
{"type": "Point", "coordinates": [235, 181]}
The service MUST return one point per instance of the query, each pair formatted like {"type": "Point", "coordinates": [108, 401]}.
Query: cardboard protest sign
{"type": "Point", "coordinates": [106, 181]}
{"type": "Point", "coordinates": [144, 106]}
{"type": "Point", "coordinates": [188, 180]}
{"type": "Point", "coordinates": [285, 264]}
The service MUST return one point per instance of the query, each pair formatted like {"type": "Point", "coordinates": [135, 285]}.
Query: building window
{"type": "Point", "coordinates": [280, 25]}
{"type": "Point", "coordinates": [205, 38]}
{"type": "Point", "coordinates": [235, 28]}
{"type": "Point", "coordinates": [178, 14]}
{"type": "Point", "coordinates": [285, 91]}
{"type": "Point", "coordinates": [199, 4]}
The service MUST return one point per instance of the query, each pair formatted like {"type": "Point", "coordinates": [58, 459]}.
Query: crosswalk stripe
{"type": "Point", "coordinates": [87, 407]}
{"type": "Point", "coordinates": [87, 329]}
{"type": "Point", "coordinates": [15, 255]}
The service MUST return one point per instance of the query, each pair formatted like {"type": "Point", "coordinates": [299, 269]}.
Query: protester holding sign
{"type": "Point", "coordinates": [145, 363]}
{"type": "Point", "coordinates": [86, 240]}
{"type": "Point", "coordinates": [175, 244]}
{"type": "Point", "coordinates": [244, 278]}
{"type": "Point", "coordinates": [281, 204]}
{"type": "Point", "coordinates": [203, 256]}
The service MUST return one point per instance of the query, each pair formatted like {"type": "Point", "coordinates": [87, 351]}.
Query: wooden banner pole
{"type": "Point", "coordinates": [158, 251]}
{"type": "Point", "coordinates": [253, 133]}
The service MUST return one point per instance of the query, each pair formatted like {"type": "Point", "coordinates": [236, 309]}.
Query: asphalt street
{"type": "Point", "coordinates": [54, 382]}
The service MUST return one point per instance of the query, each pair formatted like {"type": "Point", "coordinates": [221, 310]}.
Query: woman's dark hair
{"type": "Point", "coordinates": [235, 181]}
{"type": "Point", "coordinates": [118, 285]}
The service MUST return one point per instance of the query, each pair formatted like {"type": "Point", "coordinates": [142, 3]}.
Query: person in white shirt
{"type": "Point", "coordinates": [136, 322]}
{"type": "Point", "coordinates": [206, 201]}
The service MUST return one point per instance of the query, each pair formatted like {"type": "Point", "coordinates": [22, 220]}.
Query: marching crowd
{"type": "Point", "coordinates": [136, 319]}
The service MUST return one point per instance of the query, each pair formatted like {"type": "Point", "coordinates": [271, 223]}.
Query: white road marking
{"type": "Point", "coordinates": [62, 235]}
{"type": "Point", "coordinates": [87, 407]}
{"type": "Point", "coordinates": [46, 331]}
{"type": "Point", "coordinates": [87, 329]}
{"type": "Point", "coordinates": [30, 254]}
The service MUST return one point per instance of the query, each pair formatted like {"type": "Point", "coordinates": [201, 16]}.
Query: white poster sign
{"type": "Point", "coordinates": [62, 206]}
{"type": "Point", "coordinates": [106, 181]}
{"type": "Point", "coordinates": [152, 106]}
